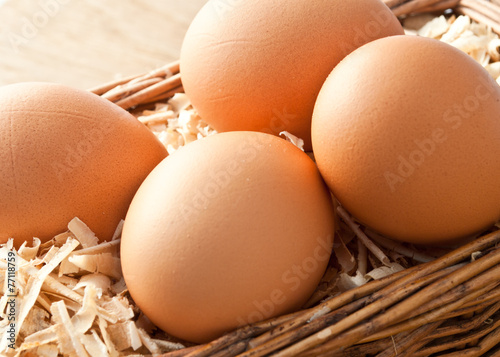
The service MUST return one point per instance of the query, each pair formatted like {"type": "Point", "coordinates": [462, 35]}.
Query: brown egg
{"type": "Point", "coordinates": [64, 153]}
{"type": "Point", "coordinates": [231, 229]}
{"type": "Point", "coordinates": [259, 65]}
{"type": "Point", "coordinates": [406, 133]}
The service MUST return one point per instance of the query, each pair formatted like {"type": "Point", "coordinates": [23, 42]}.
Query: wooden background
{"type": "Point", "coordinates": [85, 43]}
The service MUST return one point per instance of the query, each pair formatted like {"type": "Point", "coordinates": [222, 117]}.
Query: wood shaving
{"type": "Point", "coordinates": [82, 232]}
{"type": "Point", "coordinates": [97, 280]}
{"type": "Point", "coordinates": [175, 123]}
{"type": "Point", "coordinates": [298, 142]}
{"type": "Point", "coordinates": [434, 28]}
{"type": "Point", "coordinates": [348, 282]}
{"type": "Point", "coordinates": [28, 253]}
{"type": "Point", "coordinates": [475, 39]}
{"type": "Point", "coordinates": [68, 340]}
{"type": "Point", "coordinates": [383, 271]}
{"type": "Point", "coordinates": [104, 263]}
{"type": "Point", "coordinates": [125, 335]}
{"type": "Point", "coordinates": [344, 255]}
{"type": "Point", "coordinates": [86, 312]}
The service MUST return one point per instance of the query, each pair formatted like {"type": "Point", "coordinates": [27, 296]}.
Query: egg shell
{"type": "Point", "coordinates": [406, 133]}
{"type": "Point", "coordinates": [68, 153]}
{"type": "Point", "coordinates": [258, 65]}
{"type": "Point", "coordinates": [231, 229]}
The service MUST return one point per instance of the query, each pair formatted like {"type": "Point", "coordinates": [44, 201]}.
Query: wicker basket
{"type": "Point", "coordinates": [447, 307]}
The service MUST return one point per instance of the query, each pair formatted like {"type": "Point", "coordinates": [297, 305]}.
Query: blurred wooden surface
{"type": "Point", "coordinates": [85, 43]}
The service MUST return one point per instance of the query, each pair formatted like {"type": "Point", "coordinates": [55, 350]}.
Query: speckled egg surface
{"type": "Point", "coordinates": [229, 230]}
{"type": "Point", "coordinates": [258, 65]}
{"type": "Point", "coordinates": [406, 133]}
{"type": "Point", "coordinates": [64, 153]}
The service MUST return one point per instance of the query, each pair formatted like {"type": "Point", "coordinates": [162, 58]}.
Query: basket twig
{"type": "Point", "coordinates": [412, 6]}
{"type": "Point", "coordinates": [438, 7]}
{"type": "Point", "coordinates": [154, 86]}
{"type": "Point", "coordinates": [480, 17]}
{"type": "Point", "coordinates": [394, 314]}
{"type": "Point", "coordinates": [151, 92]}
{"type": "Point", "coordinates": [485, 8]}
{"type": "Point", "coordinates": [409, 299]}
{"type": "Point", "coordinates": [488, 333]}
{"type": "Point", "coordinates": [103, 88]}
{"type": "Point", "coordinates": [124, 90]}
{"type": "Point", "coordinates": [483, 11]}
